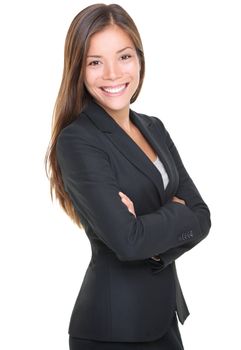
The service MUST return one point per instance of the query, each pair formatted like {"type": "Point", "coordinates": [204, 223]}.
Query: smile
{"type": "Point", "coordinates": [114, 90]}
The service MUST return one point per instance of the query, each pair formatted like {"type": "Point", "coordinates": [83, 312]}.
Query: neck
{"type": "Point", "coordinates": [121, 118]}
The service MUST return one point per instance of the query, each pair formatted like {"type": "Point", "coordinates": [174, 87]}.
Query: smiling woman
{"type": "Point", "coordinates": [114, 72]}
{"type": "Point", "coordinates": [119, 176]}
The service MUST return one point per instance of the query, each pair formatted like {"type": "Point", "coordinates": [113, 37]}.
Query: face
{"type": "Point", "coordinates": [112, 71]}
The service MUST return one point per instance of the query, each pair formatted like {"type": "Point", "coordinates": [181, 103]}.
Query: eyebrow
{"type": "Point", "coordinates": [119, 51]}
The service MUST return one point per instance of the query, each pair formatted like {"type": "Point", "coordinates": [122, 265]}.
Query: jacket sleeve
{"type": "Point", "coordinates": [188, 192]}
{"type": "Point", "coordinates": [91, 184]}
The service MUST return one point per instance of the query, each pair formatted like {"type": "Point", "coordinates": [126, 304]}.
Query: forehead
{"type": "Point", "coordinates": [111, 38]}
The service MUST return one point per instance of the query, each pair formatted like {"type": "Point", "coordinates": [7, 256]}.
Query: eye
{"type": "Point", "coordinates": [125, 57]}
{"type": "Point", "coordinates": [94, 63]}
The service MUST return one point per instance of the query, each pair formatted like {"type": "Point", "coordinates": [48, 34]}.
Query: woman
{"type": "Point", "coordinates": [118, 175]}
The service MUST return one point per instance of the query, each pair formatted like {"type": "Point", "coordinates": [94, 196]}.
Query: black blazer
{"type": "Point", "coordinates": [125, 294]}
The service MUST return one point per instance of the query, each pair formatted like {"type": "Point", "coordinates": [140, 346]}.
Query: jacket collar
{"type": "Point", "coordinates": [132, 151]}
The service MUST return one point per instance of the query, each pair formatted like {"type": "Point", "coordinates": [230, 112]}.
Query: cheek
{"type": "Point", "coordinates": [135, 75]}
{"type": "Point", "coordinates": [91, 77]}
{"type": "Point", "coordinates": [134, 70]}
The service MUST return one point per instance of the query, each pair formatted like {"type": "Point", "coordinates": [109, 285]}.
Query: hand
{"type": "Point", "coordinates": [178, 200]}
{"type": "Point", "coordinates": [126, 200]}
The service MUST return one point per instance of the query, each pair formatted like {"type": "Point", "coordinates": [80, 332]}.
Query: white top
{"type": "Point", "coordinates": [162, 170]}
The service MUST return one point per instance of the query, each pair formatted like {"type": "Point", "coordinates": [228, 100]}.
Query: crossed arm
{"type": "Point", "coordinates": [189, 196]}
{"type": "Point", "coordinates": [91, 184]}
{"type": "Point", "coordinates": [130, 206]}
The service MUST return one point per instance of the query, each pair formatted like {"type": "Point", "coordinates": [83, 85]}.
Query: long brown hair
{"type": "Point", "coordinates": [73, 95]}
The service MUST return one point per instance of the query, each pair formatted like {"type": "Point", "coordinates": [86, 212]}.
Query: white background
{"type": "Point", "coordinates": [193, 84]}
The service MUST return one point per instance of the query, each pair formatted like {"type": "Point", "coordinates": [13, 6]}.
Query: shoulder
{"type": "Point", "coordinates": [81, 130]}
{"type": "Point", "coordinates": [157, 126]}
{"type": "Point", "coordinates": [79, 140]}
{"type": "Point", "coordinates": [153, 120]}
{"type": "Point", "coordinates": [75, 141]}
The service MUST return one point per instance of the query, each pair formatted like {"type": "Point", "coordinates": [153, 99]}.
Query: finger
{"type": "Point", "coordinates": [124, 199]}
{"type": "Point", "coordinates": [125, 196]}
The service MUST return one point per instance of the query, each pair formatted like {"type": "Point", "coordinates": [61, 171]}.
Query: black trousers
{"type": "Point", "coordinates": [171, 340]}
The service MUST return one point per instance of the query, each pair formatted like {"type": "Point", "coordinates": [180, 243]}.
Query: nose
{"type": "Point", "coordinates": [111, 71]}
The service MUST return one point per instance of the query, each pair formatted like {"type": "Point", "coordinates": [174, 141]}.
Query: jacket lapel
{"type": "Point", "coordinates": [131, 150]}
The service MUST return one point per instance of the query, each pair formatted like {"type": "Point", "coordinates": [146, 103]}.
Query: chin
{"type": "Point", "coordinates": [116, 106]}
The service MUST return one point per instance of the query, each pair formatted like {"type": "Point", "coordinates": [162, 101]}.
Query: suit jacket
{"type": "Point", "coordinates": [125, 294]}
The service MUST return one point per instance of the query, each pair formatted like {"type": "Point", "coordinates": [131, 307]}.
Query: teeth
{"type": "Point", "coordinates": [114, 90]}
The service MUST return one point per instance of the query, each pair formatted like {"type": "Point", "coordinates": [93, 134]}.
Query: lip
{"type": "Point", "coordinates": [113, 86]}
{"type": "Point", "coordinates": [113, 94]}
